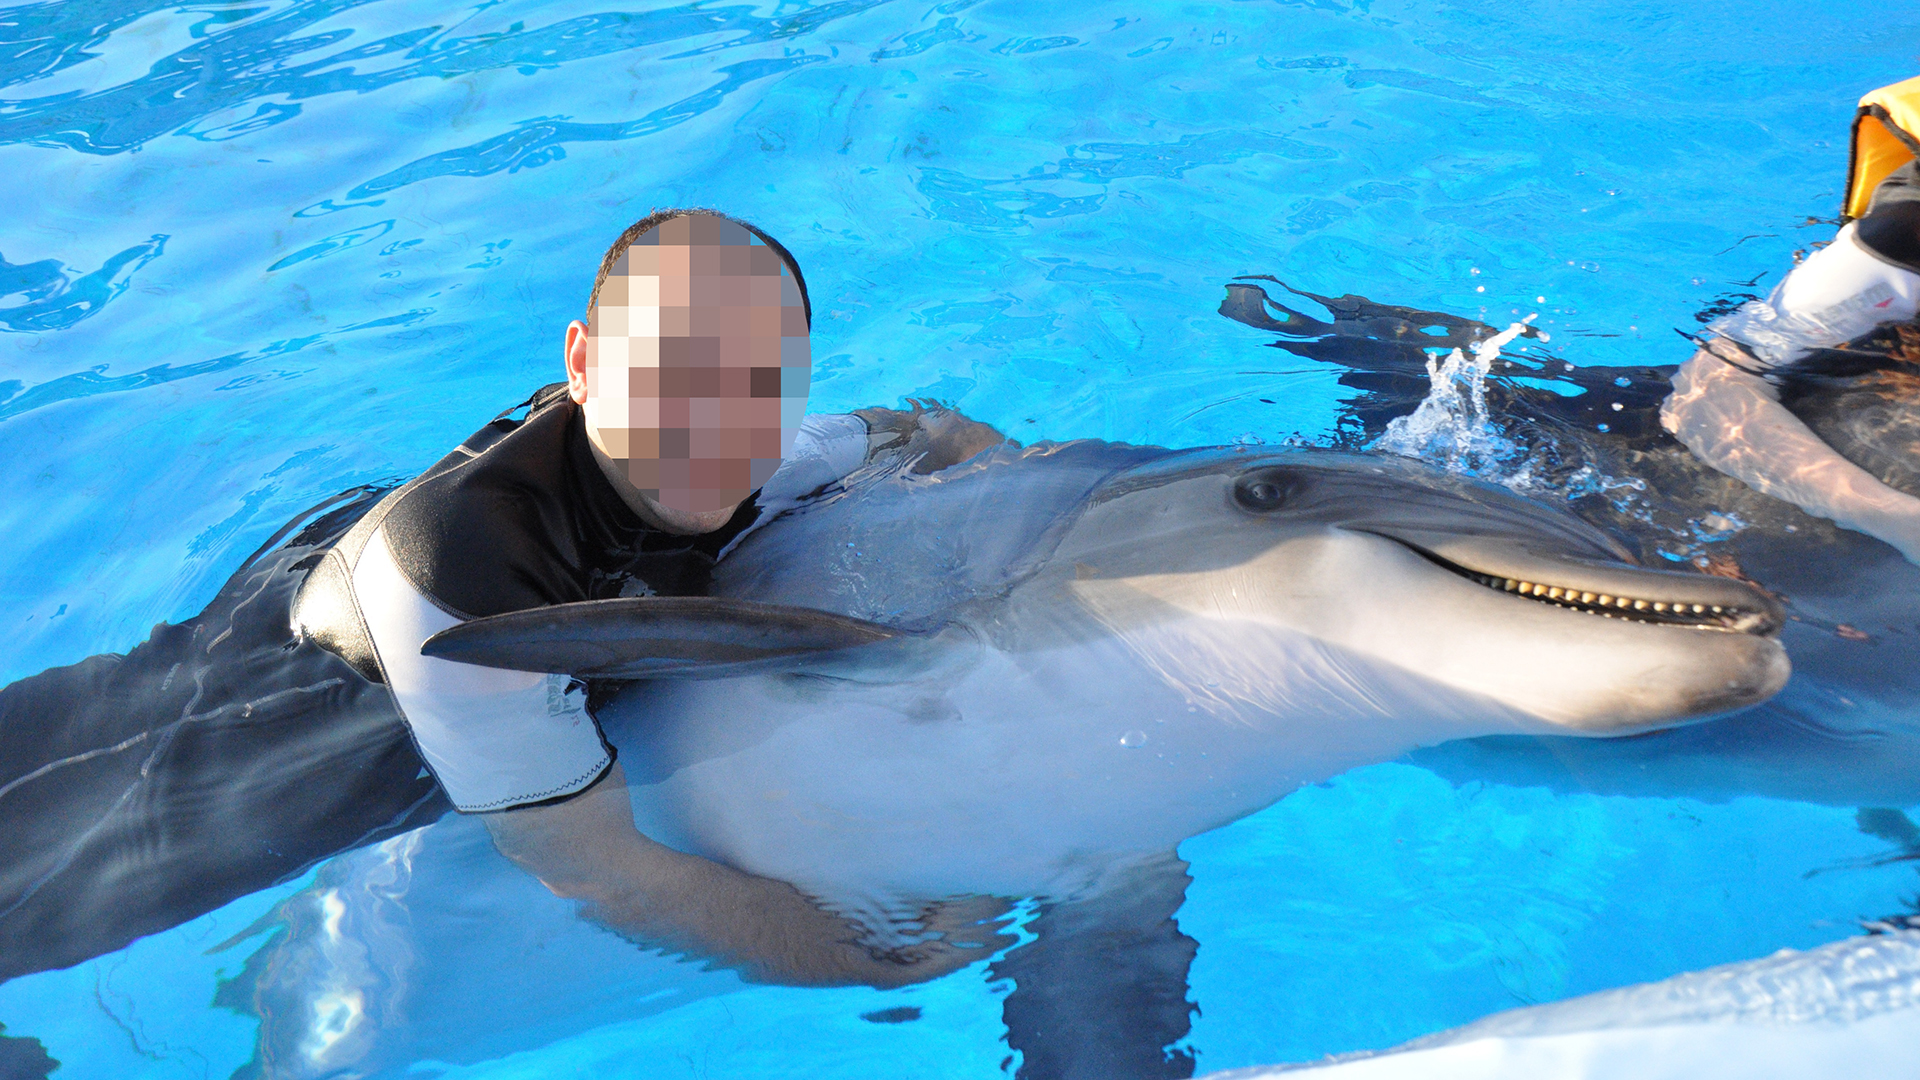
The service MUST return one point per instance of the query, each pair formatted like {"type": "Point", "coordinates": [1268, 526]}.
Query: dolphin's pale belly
{"type": "Point", "coordinates": [1016, 772]}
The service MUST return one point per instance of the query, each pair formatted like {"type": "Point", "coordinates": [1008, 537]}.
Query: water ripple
{"type": "Point", "coordinates": [543, 139]}
{"type": "Point", "coordinates": [204, 90]}
{"type": "Point", "coordinates": [16, 397]}
{"type": "Point", "coordinates": [1006, 204]}
{"type": "Point", "coordinates": [53, 300]}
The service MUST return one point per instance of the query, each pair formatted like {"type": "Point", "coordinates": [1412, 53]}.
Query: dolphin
{"type": "Point", "coordinates": [1193, 633]}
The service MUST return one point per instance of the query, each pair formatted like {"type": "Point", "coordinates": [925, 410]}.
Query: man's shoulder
{"type": "Point", "coordinates": [490, 527]}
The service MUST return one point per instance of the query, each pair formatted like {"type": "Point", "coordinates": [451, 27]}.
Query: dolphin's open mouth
{"type": "Point", "coordinates": [1636, 609]}
{"type": "Point", "coordinates": [1635, 601]}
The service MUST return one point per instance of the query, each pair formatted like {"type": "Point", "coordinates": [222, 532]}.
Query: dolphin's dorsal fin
{"type": "Point", "coordinates": [652, 637]}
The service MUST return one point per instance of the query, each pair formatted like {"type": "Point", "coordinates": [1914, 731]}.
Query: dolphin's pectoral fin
{"type": "Point", "coordinates": [653, 637]}
{"type": "Point", "coordinates": [1102, 992]}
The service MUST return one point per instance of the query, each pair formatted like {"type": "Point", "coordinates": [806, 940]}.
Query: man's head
{"type": "Point", "coordinates": [693, 364]}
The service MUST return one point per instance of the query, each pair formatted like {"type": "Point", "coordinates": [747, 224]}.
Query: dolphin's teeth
{"type": "Point", "coordinates": [1562, 596]}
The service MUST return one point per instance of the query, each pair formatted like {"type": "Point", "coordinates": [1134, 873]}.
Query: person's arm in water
{"type": "Point", "coordinates": [1726, 411]}
{"type": "Point", "coordinates": [588, 849]}
{"type": "Point", "coordinates": [1733, 420]}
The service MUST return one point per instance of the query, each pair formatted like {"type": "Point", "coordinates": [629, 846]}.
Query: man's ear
{"type": "Point", "coordinates": [577, 361]}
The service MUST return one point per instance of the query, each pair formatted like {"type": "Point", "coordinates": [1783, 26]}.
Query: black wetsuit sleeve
{"type": "Point", "coordinates": [1891, 225]}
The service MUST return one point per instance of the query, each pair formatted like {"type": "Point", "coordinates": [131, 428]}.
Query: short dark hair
{"type": "Point", "coordinates": [652, 221]}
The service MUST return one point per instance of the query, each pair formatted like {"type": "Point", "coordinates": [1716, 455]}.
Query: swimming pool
{"type": "Point", "coordinates": [263, 252]}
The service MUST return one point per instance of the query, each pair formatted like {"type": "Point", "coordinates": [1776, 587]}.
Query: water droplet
{"type": "Point", "coordinates": [1133, 738]}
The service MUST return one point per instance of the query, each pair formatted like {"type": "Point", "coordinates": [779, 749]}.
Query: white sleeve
{"type": "Point", "coordinates": [838, 441]}
{"type": "Point", "coordinates": [494, 739]}
{"type": "Point", "coordinates": [1840, 292]}
{"type": "Point", "coordinates": [827, 448]}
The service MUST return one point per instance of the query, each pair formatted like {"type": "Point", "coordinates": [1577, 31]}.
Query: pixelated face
{"type": "Point", "coordinates": [698, 363]}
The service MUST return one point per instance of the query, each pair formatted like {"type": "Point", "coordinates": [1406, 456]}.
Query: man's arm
{"type": "Point", "coordinates": [587, 848]}
{"type": "Point", "coordinates": [1733, 420]}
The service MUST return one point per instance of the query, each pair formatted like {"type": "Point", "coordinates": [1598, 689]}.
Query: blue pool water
{"type": "Point", "coordinates": [257, 253]}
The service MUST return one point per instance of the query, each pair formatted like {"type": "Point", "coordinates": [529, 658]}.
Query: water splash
{"type": "Point", "coordinates": [1451, 427]}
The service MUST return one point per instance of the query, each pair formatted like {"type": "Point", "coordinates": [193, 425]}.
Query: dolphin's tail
{"type": "Point", "coordinates": [218, 757]}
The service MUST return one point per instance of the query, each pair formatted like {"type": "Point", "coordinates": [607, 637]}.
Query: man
{"type": "Point", "coordinates": [1726, 411]}
{"type": "Point", "coordinates": [237, 748]}
{"type": "Point", "coordinates": [685, 393]}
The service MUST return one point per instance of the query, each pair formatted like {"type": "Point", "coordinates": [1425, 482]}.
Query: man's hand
{"type": "Point", "coordinates": [933, 434]}
{"type": "Point", "coordinates": [588, 849]}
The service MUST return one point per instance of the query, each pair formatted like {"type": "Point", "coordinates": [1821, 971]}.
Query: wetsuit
{"type": "Point", "coordinates": [519, 516]}
{"type": "Point", "coordinates": [1868, 276]}
{"type": "Point", "coordinates": [230, 752]}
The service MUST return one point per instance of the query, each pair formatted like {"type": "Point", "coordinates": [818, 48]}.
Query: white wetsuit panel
{"type": "Point", "coordinates": [1839, 293]}
{"type": "Point", "coordinates": [493, 738]}
{"type": "Point", "coordinates": [827, 448]}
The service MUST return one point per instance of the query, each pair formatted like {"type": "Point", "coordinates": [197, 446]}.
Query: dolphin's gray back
{"type": "Point", "coordinates": [908, 550]}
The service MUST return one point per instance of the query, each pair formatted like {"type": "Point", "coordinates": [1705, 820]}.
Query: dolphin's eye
{"type": "Point", "coordinates": [1265, 491]}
